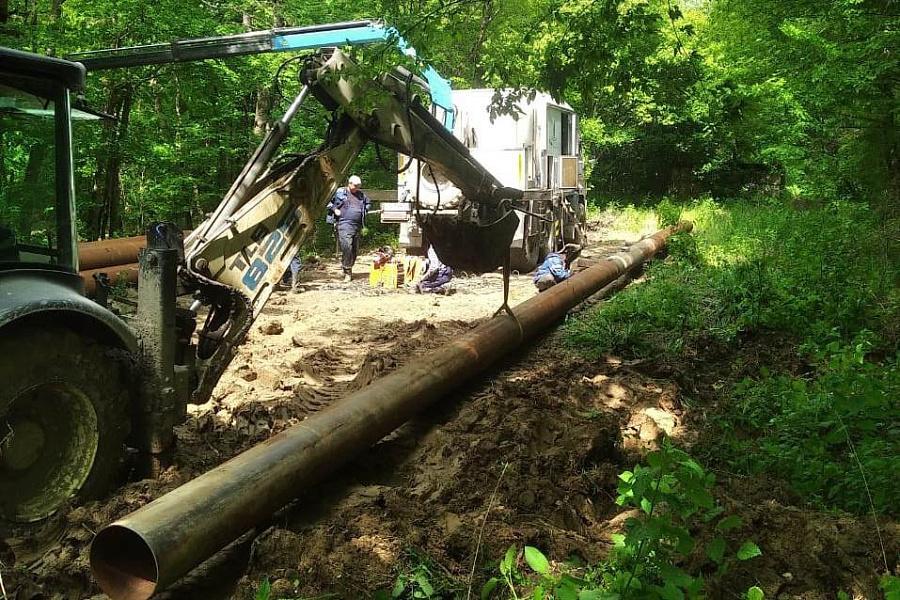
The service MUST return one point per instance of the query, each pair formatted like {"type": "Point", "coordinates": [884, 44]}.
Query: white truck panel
{"type": "Point", "coordinates": [506, 165]}
{"type": "Point", "coordinates": [523, 151]}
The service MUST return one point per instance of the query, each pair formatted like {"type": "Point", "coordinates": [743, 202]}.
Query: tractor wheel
{"type": "Point", "coordinates": [63, 421]}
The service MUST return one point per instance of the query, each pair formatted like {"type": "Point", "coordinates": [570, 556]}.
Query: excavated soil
{"type": "Point", "coordinates": [527, 454]}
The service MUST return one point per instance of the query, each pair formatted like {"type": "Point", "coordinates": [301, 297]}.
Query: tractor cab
{"type": "Point", "coordinates": [37, 225]}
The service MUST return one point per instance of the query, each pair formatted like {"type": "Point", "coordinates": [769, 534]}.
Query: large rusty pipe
{"type": "Point", "coordinates": [149, 549]}
{"type": "Point", "coordinates": [117, 273]}
{"type": "Point", "coordinates": [104, 253]}
{"type": "Point", "coordinates": [111, 252]}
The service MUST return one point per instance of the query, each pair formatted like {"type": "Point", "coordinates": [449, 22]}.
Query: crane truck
{"type": "Point", "coordinates": [535, 148]}
{"type": "Point", "coordinates": [78, 383]}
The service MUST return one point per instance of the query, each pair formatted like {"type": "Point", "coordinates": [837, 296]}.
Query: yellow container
{"type": "Point", "coordinates": [389, 276]}
{"type": "Point", "coordinates": [375, 276]}
{"type": "Point", "coordinates": [413, 269]}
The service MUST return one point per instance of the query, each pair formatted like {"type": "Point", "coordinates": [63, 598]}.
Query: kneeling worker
{"type": "Point", "coordinates": [436, 276]}
{"type": "Point", "coordinates": [347, 211]}
{"type": "Point", "coordinates": [555, 267]}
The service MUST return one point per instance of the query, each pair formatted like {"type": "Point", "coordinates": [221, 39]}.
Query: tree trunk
{"type": "Point", "coordinates": [35, 190]}
{"type": "Point", "coordinates": [107, 213]}
{"type": "Point", "coordinates": [262, 120]}
{"type": "Point", "coordinates": [115, 197]}
{"type": "Point", "coordinates": [4, 11]}
{"type": "Point", "coordinates": [487, 16]}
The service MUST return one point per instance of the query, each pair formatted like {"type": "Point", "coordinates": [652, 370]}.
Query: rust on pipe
{"type": "Point", "coordinates": [117, 251]}
{"type": "Point", "coordinates": [103, 253]}
{"type": "Point", "coordinates": [152, 547]}
{"type": "Point", "coordinates": [127, 273]}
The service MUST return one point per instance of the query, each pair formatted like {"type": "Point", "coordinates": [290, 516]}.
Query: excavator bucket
{"type": "Point", "coordinates": [467, 246]}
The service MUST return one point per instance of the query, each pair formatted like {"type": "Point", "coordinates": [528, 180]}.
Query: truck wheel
{"type": "Point", "coordinates": [63, 421]}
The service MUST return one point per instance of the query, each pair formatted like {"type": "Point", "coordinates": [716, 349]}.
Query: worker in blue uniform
{"type": "Point", "coordinates": [437, 276]}
{"type": "Point", "coordinates": [347, 212]}
{"type": "Point", "coordinates": [555, 267]}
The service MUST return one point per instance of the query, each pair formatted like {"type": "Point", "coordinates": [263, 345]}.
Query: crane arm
{"type": "Point", "coordinates": [281, 39]}
{"type": "Point", "coordinates": [239, 254]}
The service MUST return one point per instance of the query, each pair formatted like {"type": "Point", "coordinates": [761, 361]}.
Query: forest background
{"type": "Point", "coordinates": [685, 98]}
{"type": "Point", "coordinates": [772, 124]}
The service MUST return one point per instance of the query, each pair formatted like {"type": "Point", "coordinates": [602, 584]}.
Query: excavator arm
{"type": "Point", "coordinates": [477, 238]}
{"type": "Point", "coordinates": [236, 258]}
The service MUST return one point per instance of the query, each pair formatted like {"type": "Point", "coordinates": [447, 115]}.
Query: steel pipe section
{"type": "Point", "coordinates": [117, 273]}
{"type": "Point", "coordinates": [105, 253]}
{"type": "Point", "coordinates": [149, 549]}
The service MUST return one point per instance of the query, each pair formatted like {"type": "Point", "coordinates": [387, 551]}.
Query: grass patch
{"type": "Point", "coordinates": [818, 275]}
{"type": "Point", "coordinates": [834, 436]}
{"type": "Point", "coordinates": [821, 277]}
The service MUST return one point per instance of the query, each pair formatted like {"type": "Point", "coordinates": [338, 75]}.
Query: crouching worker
{"type": "Point", "coordinates": [437, 276]}
{"type": "Point", "coordinates": [555, 267]}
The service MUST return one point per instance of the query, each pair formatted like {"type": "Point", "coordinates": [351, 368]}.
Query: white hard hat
{"type": "Point", "coordinates": [355, 180]}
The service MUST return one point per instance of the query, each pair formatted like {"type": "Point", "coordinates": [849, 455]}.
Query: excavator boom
{"type": "Point", "coordinates": [237, 256]}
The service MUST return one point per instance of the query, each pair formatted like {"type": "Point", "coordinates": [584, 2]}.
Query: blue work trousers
{"type": "Point", "coordinates": [293, 273]}
{"type": "Point", "coordinates": [437, 281]}
{"type": "Point", "coordinates": [348, 239]}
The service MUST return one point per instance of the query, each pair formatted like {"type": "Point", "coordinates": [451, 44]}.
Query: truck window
{"type": "Point", "coordinates": [567, 133]}
{"type": "Point", "coordinates": [28, 227]}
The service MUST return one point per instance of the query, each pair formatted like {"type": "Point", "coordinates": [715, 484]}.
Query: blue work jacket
{"type": "Point", "coordinates": [353, 210]}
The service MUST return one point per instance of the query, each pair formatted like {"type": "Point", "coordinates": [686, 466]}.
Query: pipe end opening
{"type": "Point", "coordinates": [123, 564]}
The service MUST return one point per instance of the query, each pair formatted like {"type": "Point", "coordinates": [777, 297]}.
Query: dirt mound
{"type": "Point", "coordinates": [543, 435]}
{"type": "Point", "coordinates": [806, 554]}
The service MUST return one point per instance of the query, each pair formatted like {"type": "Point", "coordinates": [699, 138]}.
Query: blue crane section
{"type": "Point", "coordinates": [282, 39]}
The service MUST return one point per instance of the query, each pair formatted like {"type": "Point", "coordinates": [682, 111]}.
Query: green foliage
{"type": "Point", "coordinates": [818, 274]}
{"type": "Point", "coordinates": [675, 97]}
{"type": "Point", "coordinates": [834, 437]}
{"type": "Point", "coordinates": [539, 582]}
{"type": "Point", "coordinates": [890, 585]}
{"type": "Point", "coordinates": [415, 584]}
{"type": "Point", "coordinates": [264, 591]}
{"type": "Point", "coordinates": [673, 493]}
{"type": "Point", "coordinates": [754, 593]}
{"type": "Point", "coordinates": [420, 577]}
{"type": "Point", "coordinates": [669, 212]}
{"type": "Point", "coordinates": [820, 80]}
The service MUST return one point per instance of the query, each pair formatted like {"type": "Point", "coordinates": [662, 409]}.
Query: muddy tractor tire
{"type": "Point", "coordinates": [64, 417]}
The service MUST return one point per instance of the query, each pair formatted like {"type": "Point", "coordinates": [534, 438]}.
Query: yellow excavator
{"type": "Point", "coordinates": [79, 384]}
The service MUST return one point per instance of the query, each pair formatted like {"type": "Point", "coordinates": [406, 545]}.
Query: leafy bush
{"type": "Point", "coordinates": [673, 493]}
{"type": "Point", "coordinates": [835, 438]}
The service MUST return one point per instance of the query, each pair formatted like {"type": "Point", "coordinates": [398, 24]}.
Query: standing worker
{"type": "Point", "coordinates": [347, 211]}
